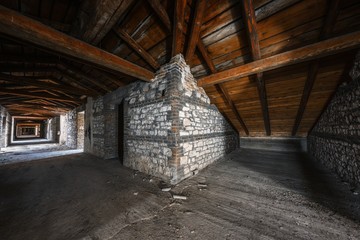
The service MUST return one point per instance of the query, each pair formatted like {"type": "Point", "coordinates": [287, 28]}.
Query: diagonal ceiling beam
{"type": "Point", "coordinates": [16, 25]}
{"type": "Point", "coordinates": [136, 47]}
{"type": "Point", "coordinates": [38, 95]}
{"type": "Point", "coordinates": [68, 68]}
{"type": "Point", "coordinates": [251, 30]}
{"type": "Point", "coordinates": [195, 28]}
{"type": "Point", "coordinates": [220, 88]}
{"type": "Point", "coordinates": [33, 82]}
{"type": "Point", "coordinates": [161, 13]}
{"type": "Point", "coordinates": [310, 52]}
{"type": "Point", "coordinates": [178, 27]}
{"type": "Point", "coordinates": [98, 17]}
{"type": "Point", "coordinates": [330, 19]}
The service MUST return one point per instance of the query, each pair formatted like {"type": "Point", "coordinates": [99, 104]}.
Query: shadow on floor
{"type": "Point", "coordinates": [297, 172]}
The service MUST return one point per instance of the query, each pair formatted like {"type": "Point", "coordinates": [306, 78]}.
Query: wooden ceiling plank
{"type": "Point", "coordinates": [220, 88]}
{"type": "Point", "coordinates": [16, 25]}
{"type": "Point", "coordinates": [28, 59]}
{"type": "Point", "coordinates": [178, 27]}
{"type": "Point", "coordinates": [195, 29]}
{"type": "Point", "coordinates": [251, 30]}
{"type": "Point", "coordinates": [161, 13]}
{"type": "Point", "coordinates": [38, 95]}
{"type": "Point", "coordinates": [66, 68]}
{"type": "Point", "coordinates": [136, 47]}
{"type": "Point", "coordinates": [32, 82]}
{"type": "Point", "coordinates": [233, 107]}
{"type": "Point", "coordinates": [104, 15]}
{"type": "Point", "coordinates": [306, 53]}
{"type": "Point", "coordinates": [329, 23]}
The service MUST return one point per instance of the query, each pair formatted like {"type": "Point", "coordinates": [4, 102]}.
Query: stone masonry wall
{"type": "Point", "coordinates": [171, 130]}
{"type": "Point", "coordinates": [335, 140]}
{"type": "Point", "coordinates": [5, 127]}
{"type": "Point", "coordinates": [71, 129]}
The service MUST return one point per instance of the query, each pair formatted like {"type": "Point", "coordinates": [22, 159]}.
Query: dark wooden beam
{"type": "Point", "coordinates": [232, 106]}
{"type": "Point", "coordinates": [26, 69]}
{"type": "Point", "coordinates": [330, 19]}
{"type": "Point", "coordinates": [220, 88]}
{"type": "Point", "coordinates": [33, 82]}
{"type": "Point", "coordinates": [204, 53]}
{"type": "Point", "coordinates": [136, 47]}
{"type": "Point", "coordinates": [77, 72]}
{"type": "Point", "coordinates": [28, 59]}
{"type": "Point", "coordinates": [200, 6]}
{"type": "Point", "coordinates": [16, 25]}
{"type": "Point", "coordinates": [38, 95]}
{"type": "Point", "coordinates": [97, 18]}
{"type": "Point", "coordinates": [312, 73]}
{"type": "Point", "coordinates": [161, 13]}
{"type": "Point", "coordinates": [251, 30]}
{"type": "Point", "coordinates": [307, 53]}
{"type": "Point", "coordinates": [178, 27]}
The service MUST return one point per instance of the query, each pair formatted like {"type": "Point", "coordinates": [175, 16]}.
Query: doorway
{"type": "Point", "coordinates": [121, 125]}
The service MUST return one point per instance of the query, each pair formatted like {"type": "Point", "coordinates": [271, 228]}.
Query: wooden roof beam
{"type": "Point", "coordinates": [136, 47]}
{"type": "Point", "coordinates": [251, 30]}
{"type": "Point", "coordinates": [104, 14]}
{"type": "Point", "coordinates": [18, 26]}
{"type": "Point", "coordinates": [307, 53]}
{"type": "Point", "coordinates": [68, 68]}
{"type": "Point", "coordinates": [330, 19]}
{"type": "Point", "coordinates": [161, 13]}
{"type": "Point", "coordinates": [38, 95]}
{"type": "Point", "coordinates": [32, 82]}
{"type": "Point", "coordinates": [178, 27]}
{"type": "Point", "coordinates": [220, 88]}
{"type": "Point", "coordinates": [195, 29]}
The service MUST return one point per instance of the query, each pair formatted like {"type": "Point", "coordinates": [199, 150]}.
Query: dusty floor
{"type": "Point", "coordinates": [23, 153]}
{"type": "Point", "coordinates": [251, 195]}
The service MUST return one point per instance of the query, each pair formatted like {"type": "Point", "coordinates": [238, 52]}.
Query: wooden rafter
{"type": "Point", "coordinates": [326, 30]}
{"type": "Point", "coordinates": [77, 72]}
{"type": "Point", "coordinates": [33, 82]}
{"type": "Point", "coordinates": [307, 53]}
{"type": "Point", "coordinates": [38, 95]}
{"type": "Point", "coordinates": [178, 27]}
{"type": "Point", "coordinates": [251, 30]}
{"type": "Point", "coordinates": [195, 29]}
{"type": "Point", "coordinates": [220, 88]}
{"type": "Point", "coordinates": [18, 26]}
{"type": "Point", "coordinates": [161, 13]}
{"type": "Point", "coordinates": [105, 14]}
{"type": "Point", "coordinates": [136, 47]}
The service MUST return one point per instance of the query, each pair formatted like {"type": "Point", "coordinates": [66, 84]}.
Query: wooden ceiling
{"type": "Point", "coordinates": [270, 66]}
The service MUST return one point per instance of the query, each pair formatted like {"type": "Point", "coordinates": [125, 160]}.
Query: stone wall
{"type": "Point", "coordinates": [335, 140]}
{"type": "Point", "coordinates": [80, 130]}
{"type": "Point", "coordinates": [5, 127]}
{"type": "Point", "coordinates": [171, 130]}
{"type": "Point", "coordinates": [52, 129]}
{"type": "Point", "coordinates": [71, 128]}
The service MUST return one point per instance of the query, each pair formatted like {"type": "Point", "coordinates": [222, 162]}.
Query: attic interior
{"type": "Point", "coordinates": [166, 119]}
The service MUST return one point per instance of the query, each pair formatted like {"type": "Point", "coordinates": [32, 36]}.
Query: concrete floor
{"type": "Point", "coordinates": [250, 195]}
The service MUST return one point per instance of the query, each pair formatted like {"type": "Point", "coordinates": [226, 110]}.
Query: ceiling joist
{"type": "Point", "coordinates": [307, 53]}
{"type": "Point", "coordinates": [251, 30]}
{"type": "Point", "coordinates": [21, 27]}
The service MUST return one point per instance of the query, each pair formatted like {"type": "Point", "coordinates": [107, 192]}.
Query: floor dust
{"type": "Point", "coordinates": [249, 195]}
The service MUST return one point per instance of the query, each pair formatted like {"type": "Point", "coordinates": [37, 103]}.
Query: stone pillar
{"type": "Point", "coordinates": [172, 129]}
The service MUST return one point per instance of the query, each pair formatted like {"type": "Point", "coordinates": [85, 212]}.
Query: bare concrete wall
{"type": "Point", "coordinates": [335, 140]}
